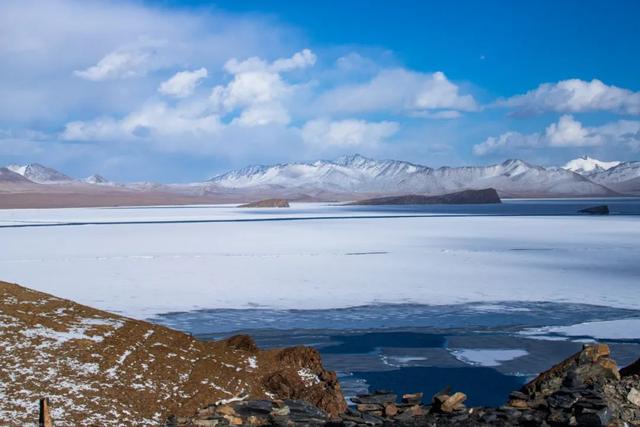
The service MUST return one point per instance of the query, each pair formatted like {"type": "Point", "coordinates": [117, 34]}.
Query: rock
{"type": "Point", "coordinates": [518, 395]}
{"type": "Point", "coordinates": [487, 195]}
{"type": "Point", "coordinates": [633, 369]}
{"type": "Point", "coordinates": [454, 402]}
{"type": "Point", "coordinates": [267, 203]}
{"type": "Point", "coordinates": [369, 407]}
{"type": "Point", "coordinates": [225, 410]}
{"type": "Point", "coordinates": [242, 342]}
{"type": "Point", "coordinates": [390, 410]}
{"type": "Point", "coordinates": [593, 418]}
{"type": "Point", "coordinates": [596, 210]}
{"type": "Point", "coordinates": [582, 390]}
{"type": "Point", "coordinates": [233, 420]}
{"type": "Point", "coordinates": [518, 403]}
{"type": "Point", "coordinates": [591, 364]}
{"type": "Point", "coordinates": [372, 420]}
{"type": "Point", "coordinates": [256, 421]}
{"type": "Point", "coordinates": [254, 407]}
{"type": "Point", "coordinates": [378, 397]}
{"type": "Point", "coordinates": [634, 397]}
{"type": "Point", "coordinates": [281, 412]}
{"type": "Point", "coordinates": [412, 398]}
{"type": "Point", "coordinates": [206, 423]}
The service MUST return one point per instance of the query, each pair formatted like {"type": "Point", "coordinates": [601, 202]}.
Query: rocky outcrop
{"type": "Point", "coordinates": [596, 210]}
{"type": "Point", "coordinates": [487, 195]}
{"type": "Point", "coordinates": [99, 368]}
{"type": "Point", "coordinates": [584, 390]}
{"type": "Point", "coordinates": [268, 203]}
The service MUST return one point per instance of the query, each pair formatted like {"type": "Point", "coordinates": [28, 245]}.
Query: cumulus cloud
{"type": "Point", "coordinates": [575, 96]}
{"type": "Point", "coordinates": [258, 90]}
{"type": "Point", "coordinates": [255, 96]}
{"type": "Point", "coordinates": [156, 119]}
{"type": "Point", "coordinates": [401, 91]}
{"type": "Point", "coordinates": [183, 83]}
{"type": "Point", "coordinates": [347, 133]}
{"type": "Point", "coordinates": [567, 132]}
{"type": "Point", "coordinates": [125, 62]}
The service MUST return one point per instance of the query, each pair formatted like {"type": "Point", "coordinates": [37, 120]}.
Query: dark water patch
{"type": "Point", "coordinates": [366, 343]}
{"type": "Point", "coordinates": [483, 386]}
{"type": "Point", "coordinates": [386, 316]}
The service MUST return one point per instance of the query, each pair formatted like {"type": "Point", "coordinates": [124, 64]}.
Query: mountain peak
{"type": "Point", "coordinates": [586, 164]}
{"type": "Point", "coordinates": [36, 172]}
{"type": "Point", "coordinates": [96, 179]}
{"type": "Point", "coordinates": [352, 159]}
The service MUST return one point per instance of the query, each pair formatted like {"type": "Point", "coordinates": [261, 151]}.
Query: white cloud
{"type": "Point", "coordinates": [133, 60]}
{"type": "Point", "coordinates": [43, 42]}
{"type": "Point", "coordinates": [153, 120]}
{"type": "Point", "coordinates": [347, 133]}
{"type": "Point", "coordinates": [400, 91]}
{"type": "Point", "coordinates": [570, 132]}
{"type": "Point", "coordinates": [258, 91]}
{"type": "Point", "coordinates": [575, 96]}
{"type": "Point", "coordinates": [507, 140]}
{"type": "Point", "coordinates": [303, 59]}
{"type": "Point", "coordinates": [567, 132]}
{"type": "Point", "coordinates": [183, 83]}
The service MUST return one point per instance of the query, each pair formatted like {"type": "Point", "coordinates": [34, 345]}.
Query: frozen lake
{"type": "Point", "coordinates": [146, 261]}
{"type": "Point", "coordinates": [406, 298]}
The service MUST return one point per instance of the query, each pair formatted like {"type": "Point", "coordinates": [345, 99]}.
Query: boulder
{"type": "Point", "coordinates": [596, 210]}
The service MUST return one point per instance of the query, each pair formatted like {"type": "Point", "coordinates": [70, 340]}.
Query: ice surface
{"type": "Point", "coordinates": [622, 329]}
{"type": "Point", "coordinates": [487, 357]}
{"type": "Point", "coordinates": [144, 269]}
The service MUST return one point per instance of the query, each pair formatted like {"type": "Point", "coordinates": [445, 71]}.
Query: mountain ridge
{"type": "Point", "coordinates": [346, 178]}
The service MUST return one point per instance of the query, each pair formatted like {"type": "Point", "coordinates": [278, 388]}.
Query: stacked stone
{"type": "Point", "coordinates": [585, 390]}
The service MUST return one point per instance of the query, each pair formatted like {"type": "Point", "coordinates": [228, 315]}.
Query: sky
{"type": "Point", "coordinates": [179, 91]}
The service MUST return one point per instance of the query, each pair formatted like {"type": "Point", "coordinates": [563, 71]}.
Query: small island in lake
{"type": "Point", "coordinates": [487, 195]}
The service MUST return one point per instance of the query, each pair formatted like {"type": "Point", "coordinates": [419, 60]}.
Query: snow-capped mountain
{"type": "Point", "coordinates": [586, 165]}
{"type": "Point", "coordinates": [7, 175]}
{"type": "Point", "coordinates": [97, 179]}
{"type": "Point", "coordinates": [35, 172]}
{"type": "Point", "coordinates": [623, 178]}
{"type": "Point", "coordinates": [358, 174]}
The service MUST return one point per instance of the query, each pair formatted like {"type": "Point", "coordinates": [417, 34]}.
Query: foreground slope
{"type": "Point", "coordinates": [99, 368]}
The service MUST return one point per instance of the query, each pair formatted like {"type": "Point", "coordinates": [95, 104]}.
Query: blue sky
{"type": "Point", "coordinates": [182, 90]}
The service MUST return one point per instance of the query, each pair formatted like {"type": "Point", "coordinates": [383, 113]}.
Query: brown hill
{"type": "Point", "coordinates": [487, 195]}
{"type": "Point", "coordinates": [99, 368]}
{"type": "Point", "coordinates": [267, 203]}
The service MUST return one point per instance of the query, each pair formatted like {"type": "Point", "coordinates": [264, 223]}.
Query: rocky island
{"type": "Point", "coordinates": [267, 203]}
{"type": "Point", "coordinates": [487, 195]}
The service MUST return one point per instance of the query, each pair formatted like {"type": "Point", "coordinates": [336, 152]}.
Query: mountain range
{"type": "Point", "coordinates": [356, 177]}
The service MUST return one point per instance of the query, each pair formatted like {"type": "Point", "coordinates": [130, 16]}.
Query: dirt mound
{"type": "Point", "coordinates": [99, 368]}
{"type": "Point", "coordinates": [268, 203]}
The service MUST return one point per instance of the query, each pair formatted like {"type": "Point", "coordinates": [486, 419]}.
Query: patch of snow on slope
{"type": "Point", "coordinates": [308, 377]}
{"type": "Point", "coordinates": [55, 338]}
{"type": "Point", "coordinates": [586, 164]}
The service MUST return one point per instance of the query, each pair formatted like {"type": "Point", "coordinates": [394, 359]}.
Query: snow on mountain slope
{"type": "Point", "coordinates": [586, 165]}
{"type": "Point", "coordinates": [624, 178]}
{"type": "Point", "coordinates": [7, 175]}
{"type": "Point", "coordinates": [359, 174]}
{"type": "Point", "coordinates": [35, 172]}
{"type": "Point", "coordinates": [97, 179]}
